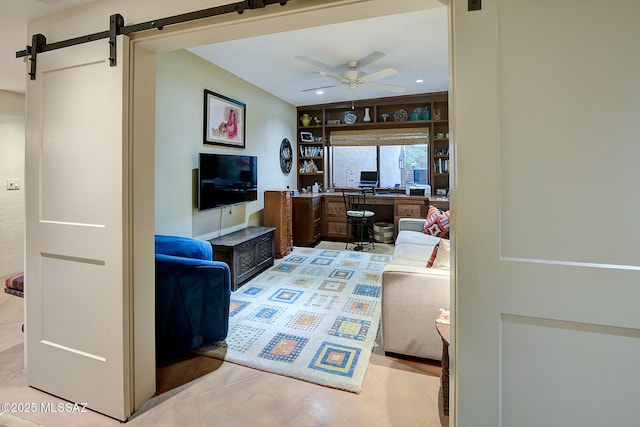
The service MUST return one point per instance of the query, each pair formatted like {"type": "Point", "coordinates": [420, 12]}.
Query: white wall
{"type": "Point", "coordinates": [12, 219]}
{"type": "Point", "coordinates": [181, 78]}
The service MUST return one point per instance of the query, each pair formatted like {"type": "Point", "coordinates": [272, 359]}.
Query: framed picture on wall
{"type": "Point", "coordinates": [224, 120]}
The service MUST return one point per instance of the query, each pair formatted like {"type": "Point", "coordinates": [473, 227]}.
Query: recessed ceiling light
{"type": "Point", "coordinates": [319, 92]}
{"type": "Point", "coordinates": [419, 81]}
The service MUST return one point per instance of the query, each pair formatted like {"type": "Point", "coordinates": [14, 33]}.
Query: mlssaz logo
{"type": "Point", "coordinates": [63, 407]}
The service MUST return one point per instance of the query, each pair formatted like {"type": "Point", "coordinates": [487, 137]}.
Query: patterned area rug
{"type": "Point", "coordinates": [313, 316]}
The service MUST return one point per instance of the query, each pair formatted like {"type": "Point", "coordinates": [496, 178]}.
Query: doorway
{"type": "Point", "coordinates": [145, 51]}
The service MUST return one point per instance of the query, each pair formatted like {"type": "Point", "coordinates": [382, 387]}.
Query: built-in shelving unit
{"type": "Point", "coordinates": [399, 112]}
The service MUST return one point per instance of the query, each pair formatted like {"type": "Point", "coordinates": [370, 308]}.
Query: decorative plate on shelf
{"type": "Point", "coordinates": [400, 115]}
{"type": "Point", "coordinates": [349, 117]}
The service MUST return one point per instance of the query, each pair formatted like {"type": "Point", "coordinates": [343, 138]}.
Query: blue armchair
{"type": "Point", "coordinates": [192, 296]}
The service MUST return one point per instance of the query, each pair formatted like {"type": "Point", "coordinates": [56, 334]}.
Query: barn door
{"type": "Point", "coordinates": [77, 276]}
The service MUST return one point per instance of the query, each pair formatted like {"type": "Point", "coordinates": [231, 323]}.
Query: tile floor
{"type": "Point", "coordinates": [199, 391]}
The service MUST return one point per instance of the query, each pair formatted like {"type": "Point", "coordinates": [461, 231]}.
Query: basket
{"type": "Point", "coordinates": [383, 232]}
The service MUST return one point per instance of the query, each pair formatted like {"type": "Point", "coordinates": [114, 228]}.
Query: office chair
{"type": "Point", "coordinates": [355, 203]}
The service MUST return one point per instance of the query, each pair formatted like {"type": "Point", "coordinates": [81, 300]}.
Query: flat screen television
{"type": "Point", "coordinates": [226, 179]}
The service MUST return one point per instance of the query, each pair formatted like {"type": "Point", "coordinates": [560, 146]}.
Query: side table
{"type": "Point", "coordinates": [444, 330]}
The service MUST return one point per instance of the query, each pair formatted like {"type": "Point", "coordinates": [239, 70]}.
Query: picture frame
{"type": "Point", "coordinates": [224, 120]}
{"type": "Point", "coordinates": [306, 137]}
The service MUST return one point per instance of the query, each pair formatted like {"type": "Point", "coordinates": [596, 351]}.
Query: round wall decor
{"type": "Point", "coordinates": [286, 156]}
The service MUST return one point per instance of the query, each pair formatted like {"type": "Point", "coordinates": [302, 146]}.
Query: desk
{"type": "Point", "coordinates": [388, 207]}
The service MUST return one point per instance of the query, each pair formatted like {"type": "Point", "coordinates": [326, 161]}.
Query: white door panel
{"type": "Point", "coordinates": [543, 354]}
{"type": "Point", "coordinates": [77, 325]}
{"type": "Point", "coordinates": [546, 102]}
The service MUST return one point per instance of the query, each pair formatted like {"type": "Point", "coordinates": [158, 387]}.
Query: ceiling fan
{"type": "Point", "coordinates": [350, 75]}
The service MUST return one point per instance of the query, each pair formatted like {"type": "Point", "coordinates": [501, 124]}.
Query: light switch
{"type": "Point", "coordinates": [13, 184]}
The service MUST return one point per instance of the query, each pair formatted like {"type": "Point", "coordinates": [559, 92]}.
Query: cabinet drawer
{"type": "Point", "coordinates": [409, 210]}
{"type": "Point", "coordinates": [336, 228]}
{"type": "Point", "coordinates": [334, 208]}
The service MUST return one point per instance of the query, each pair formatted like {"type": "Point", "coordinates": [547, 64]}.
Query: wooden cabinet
{"type": "Point", "coordinates": [409, 209]}
{"type": "Point", "coordinates": [429, 110]}
{"type": "Point", "coordinates": [334, 217]}
{"type": "Point", "coordinates": [307, 216]}
{"type": "Point", "coordinates": [277, 213]}
{"type": "Point", "coordinates": [247, 252]}
{"type": "Point", "coordinates": [441, 204]}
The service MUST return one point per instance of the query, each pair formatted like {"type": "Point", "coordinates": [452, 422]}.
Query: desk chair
{"type": "Point", "coordinates": [355, 203]}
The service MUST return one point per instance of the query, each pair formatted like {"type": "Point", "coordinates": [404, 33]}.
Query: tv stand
{"type": "Point", "coordinates": [247, 252]}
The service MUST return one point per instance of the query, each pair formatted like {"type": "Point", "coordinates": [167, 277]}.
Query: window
{"type": "Point", "coordinates": [397, 165]}
{"type": "Point", "coordinates": [347, 162]}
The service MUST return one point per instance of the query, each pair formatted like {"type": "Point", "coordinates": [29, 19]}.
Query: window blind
{"type": "Point", "coordinates": [404, 136]}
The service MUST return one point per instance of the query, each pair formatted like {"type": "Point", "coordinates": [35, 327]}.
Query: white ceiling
{"type": "Point", "coordinates": [415, 44]}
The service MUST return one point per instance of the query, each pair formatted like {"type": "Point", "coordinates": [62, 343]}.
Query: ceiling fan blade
{"type": "Point", "coordinates": [332, 76]}
{"type": "Point", "coordinates": [315, 63]}
{"type": "Point", "coordinates": [363, 62]}
{"type": "Point", "coordinates": [392, 88]}
{"type": "Point", "coordinates": [318, 88]}
{"type": "Point", "coordinates": [373, 56]}
{"type": "Point", "coordinates": [387, 72]}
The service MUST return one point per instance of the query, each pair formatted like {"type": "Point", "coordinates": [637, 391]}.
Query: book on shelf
{"type": "Point", "coordinates": [310, 151]}
{"type": "Point", "coordinates": [309, 166]}
{"type": "Point", "coordinates": [441, 166]}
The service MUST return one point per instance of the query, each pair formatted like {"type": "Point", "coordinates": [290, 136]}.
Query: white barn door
{"type": "Point", "coordinates": [547, 167]}
{"type": "Point", "coordinates": [77, 274]}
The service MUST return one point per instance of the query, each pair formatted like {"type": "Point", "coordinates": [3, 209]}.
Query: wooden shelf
{"type": "Point", "coordinates": [437, 101]}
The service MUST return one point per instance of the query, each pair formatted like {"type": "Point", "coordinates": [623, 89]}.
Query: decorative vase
{"type": "Point", "coordinates": [306, 120]}
{"type": "Point", "coordinates": [426, 113]}
{"type": "Point", "coordinates": [414, 115]}
{"type": "Point", "coordinates": [367, 117]}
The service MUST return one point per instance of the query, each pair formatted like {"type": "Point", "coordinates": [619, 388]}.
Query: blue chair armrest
{"type": "Point", "coordinates": [183, 247]}
{"type": "Point", "coordinates": [192, 304]}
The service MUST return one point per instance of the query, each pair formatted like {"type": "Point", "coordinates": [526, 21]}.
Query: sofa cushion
{"type": "Point", "coordinates": [433, 256]}
{"type": "Point", "coordinates": [443, 257]}
{"type": "Point", "coordinates": [416, 238]}
{"type": "Point", "coordinates": [437, 222]}
{"type": "Point", "coordinates": [418, 265]}
{"type": "Point", "coordinates": [409, 251]}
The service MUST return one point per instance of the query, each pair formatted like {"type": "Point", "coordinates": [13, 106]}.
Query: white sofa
{"type": "Point", "coordinates": [412, 294]}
